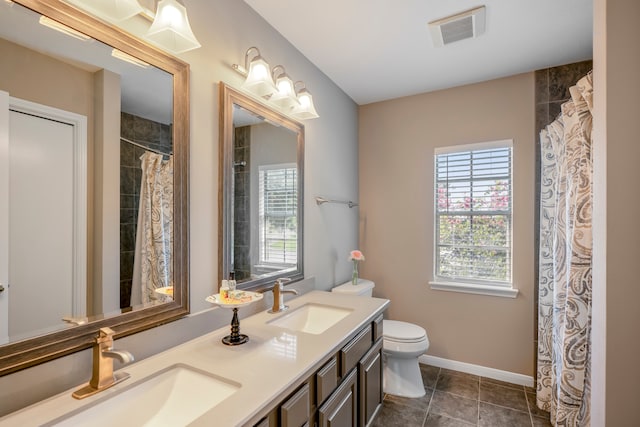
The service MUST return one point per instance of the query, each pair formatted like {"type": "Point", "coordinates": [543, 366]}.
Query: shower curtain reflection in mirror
{"type": "Point", "coordinates": [153, 263]}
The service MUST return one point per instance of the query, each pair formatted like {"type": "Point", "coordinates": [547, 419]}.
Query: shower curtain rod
{"type": "Point", "coordinates": [320, 200]}
{"type": "Point", "coordinates": [146, 148]}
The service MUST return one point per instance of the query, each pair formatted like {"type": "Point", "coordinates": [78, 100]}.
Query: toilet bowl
{"type": "Point", "coordinates": [402, 344]}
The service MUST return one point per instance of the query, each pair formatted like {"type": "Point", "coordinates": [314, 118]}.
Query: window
{"type": "Point", "coordinates": [473, 214]}
{"type": "Point", "coordinates": [278, 230]}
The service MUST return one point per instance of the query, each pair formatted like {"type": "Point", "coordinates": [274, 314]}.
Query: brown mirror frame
{"type": "Point", "coordinates": [228, 98]}
{"type": "Point", "coordinates": [30, 352]}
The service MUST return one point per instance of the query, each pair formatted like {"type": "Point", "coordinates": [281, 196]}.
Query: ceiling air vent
{"type": "Point", "coordinates": [463, 25]}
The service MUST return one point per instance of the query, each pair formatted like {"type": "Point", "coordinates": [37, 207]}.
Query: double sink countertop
{"type": "Point", "coordinates": [267, 367]}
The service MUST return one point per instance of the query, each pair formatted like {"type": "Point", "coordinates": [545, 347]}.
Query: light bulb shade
{"type": "Point", "coordinates": [111, 10]}
{"type": "Point", "coordinates": [306, 109]}
{"type": "Point", "coordinates": [259, 80]}
{"type": "Point", "coordinates": [170, 28]}
{"type": "Point", "coordinates": [285, 95]}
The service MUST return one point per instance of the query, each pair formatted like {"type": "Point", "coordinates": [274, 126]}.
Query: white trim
{"type": "Point", "coordinates": [79, 124]}
{"type": "Point", "coordinates": [4, 216]}
{"type": "Point", "coordinates": [469, 288]}
{"type": "Point", "coordinates": [483, 371]}
{"type": "Point", "coordinates": [480, 289]}
{"type": "Point", "coordinates": [503, 143]}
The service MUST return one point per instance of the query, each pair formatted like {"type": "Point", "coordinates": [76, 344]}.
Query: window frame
{"type": "Point", "coordinates": [261, 216]}
{"type": "Point", "coordinates": [468, 284]}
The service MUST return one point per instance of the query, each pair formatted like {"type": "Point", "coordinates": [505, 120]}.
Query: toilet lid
{"type": "Point", "coordinates": [395, 330]}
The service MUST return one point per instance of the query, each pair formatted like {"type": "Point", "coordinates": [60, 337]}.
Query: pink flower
{"type": "Point", "coordinates": [356, 255]}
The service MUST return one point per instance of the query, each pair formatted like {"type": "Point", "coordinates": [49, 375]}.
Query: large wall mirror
{"type": "Point", "coordinates": [94, 152]}
{"type": "Point", "coordinates": [261, 192]}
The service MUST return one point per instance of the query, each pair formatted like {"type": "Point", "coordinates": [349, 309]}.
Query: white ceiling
{"type": "Point", "coordinates": [381, 49]}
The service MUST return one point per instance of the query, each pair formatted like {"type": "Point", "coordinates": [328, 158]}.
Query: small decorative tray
{"type": "Point", "coordinates": [166, 290]}
{"type": "Point", "coordinates": [236, 299]}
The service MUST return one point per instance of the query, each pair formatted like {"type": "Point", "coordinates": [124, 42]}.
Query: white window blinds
{"type": "Point", "coordinates": [278, 232]}
{"type": "Point", "coordinates": [473, 213]}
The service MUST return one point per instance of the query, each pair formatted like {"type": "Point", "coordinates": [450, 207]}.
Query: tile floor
{"type": "Point", "coordinates": [457, 399]}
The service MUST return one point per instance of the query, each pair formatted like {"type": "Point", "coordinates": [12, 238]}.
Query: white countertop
{"type": "Point", "coordinates": [271, 362]}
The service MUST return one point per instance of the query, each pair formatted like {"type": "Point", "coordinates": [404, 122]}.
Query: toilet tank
{"type": "Point", "coordinates": [363, 288]}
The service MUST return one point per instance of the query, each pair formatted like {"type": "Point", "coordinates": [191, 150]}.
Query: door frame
{"type": "Point", "coordinates": [79, 125]}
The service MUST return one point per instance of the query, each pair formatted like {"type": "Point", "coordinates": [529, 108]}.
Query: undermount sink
{"type": "Point", "coordinates": [174, 396]}
{"type": "Point", "coordinates": [311, 318]}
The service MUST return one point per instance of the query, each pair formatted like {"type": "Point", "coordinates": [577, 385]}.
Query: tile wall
{"type": "Point", "coordinates": [151, 134]}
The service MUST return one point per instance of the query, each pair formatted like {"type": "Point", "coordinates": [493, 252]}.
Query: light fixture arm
{"type": "Point", "coordinates": [246, 56]}
{"type": "Point", "coordinates": [301, 83]}
{"type": "Point", "coordinates": [280, 71]}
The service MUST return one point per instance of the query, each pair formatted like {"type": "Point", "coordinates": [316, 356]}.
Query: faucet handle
{"type": "Point", "coordinates": [282, 280]}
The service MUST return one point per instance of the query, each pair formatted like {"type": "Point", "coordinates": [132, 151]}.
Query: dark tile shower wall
{"type": "Point", "coordinates": [552, 90]}
{"type": "Point", "coordinates": [241, 201]}
{"type": "Point", "coordinates": [151, 134]}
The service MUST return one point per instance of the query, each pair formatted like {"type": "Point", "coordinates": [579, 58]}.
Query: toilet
{"type": "Point", "coordinates": [402, 344]}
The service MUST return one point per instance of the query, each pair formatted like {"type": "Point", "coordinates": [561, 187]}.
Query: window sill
{"type": "Point", "coordinates": [496, 291]}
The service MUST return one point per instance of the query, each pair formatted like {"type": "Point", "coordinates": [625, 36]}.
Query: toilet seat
{"type": "Point", "coordinates": [402, 332]}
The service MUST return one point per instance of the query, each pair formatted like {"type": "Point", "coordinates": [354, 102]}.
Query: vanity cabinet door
{"type": "Point", "coordinates": [370, 384]}
{"type": "Point", "coordinates": [341, 409]}
{"type": "Point", "coordinates": [295, 411]}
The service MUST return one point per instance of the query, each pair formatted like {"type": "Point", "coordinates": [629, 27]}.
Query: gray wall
{"type": "Point", "coordinates": [226, 29]}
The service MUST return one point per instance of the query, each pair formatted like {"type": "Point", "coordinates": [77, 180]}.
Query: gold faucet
{"type": "Point", "coordinates": [103, 376]}
{"type": "Point", "coordinates": [278, 299]}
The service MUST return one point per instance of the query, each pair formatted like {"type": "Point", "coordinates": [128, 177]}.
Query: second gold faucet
{"type": "Point", "coordinates": [278, 299]}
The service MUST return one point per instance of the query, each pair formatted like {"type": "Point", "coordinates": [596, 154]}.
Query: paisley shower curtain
{"type": "Point", "coordinates": [564, 310]}
{"type": "Point", "coordinates": [153, 262]}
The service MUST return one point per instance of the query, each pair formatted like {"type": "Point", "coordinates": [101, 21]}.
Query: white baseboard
{"type": "Point", "coordinates": [482, 371]}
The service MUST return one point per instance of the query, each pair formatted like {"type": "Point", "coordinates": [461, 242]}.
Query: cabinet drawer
{"type": "Point", "coordinates": [341, 409]}
{"type": "Point", "coordinates": [295, 411]}
{"type": "Point", "coordinates": [326, 380]}
{"type": "Point", "coordinates": [353, 352]}
{"type": "Point", "coordinates": [377, 328]}
{"type": "Point", "coordinates": [263, 423]}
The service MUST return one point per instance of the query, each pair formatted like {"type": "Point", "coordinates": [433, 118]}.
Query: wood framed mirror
{"type": "Point", "coordinates": [261, 188]}
{"type": "Point", "coordinates": [102, 271]}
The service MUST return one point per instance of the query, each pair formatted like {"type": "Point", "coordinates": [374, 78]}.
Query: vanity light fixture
{"type": "Point", "coordinates": [258, 74]}
{"type": "Point", "coordinates": [171, 29]}
{"type": "Point", "coordinates": [55, 25]}
{"type": "Point", "coordinates": [128, 58]}
{"type": "Point", "coordinates": [305, 110]}
{"type": "Point", "coordinates": [281, 94]}
{"type": "Point", "coordinates": [285, 95]}
{"type": "Point", "coordinates": [111, 10]}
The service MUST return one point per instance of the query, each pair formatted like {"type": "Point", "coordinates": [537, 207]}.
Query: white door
{"type": "Point", "coordinates": [40, 223]}
{"type": "Point", "coordinates": [41, 217]}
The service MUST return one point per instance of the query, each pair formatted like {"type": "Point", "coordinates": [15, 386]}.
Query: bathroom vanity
{"type": "Point", "coordinates": [318, 363]}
